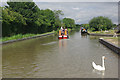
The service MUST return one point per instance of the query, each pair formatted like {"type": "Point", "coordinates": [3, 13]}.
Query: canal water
{"type": "Point", "coordinates": [48, 57]}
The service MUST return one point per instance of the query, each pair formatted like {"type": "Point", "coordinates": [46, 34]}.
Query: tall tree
{"type": "Point", "coordinates": [58, 13]}
{"type": "Point", "coordinates": [0, 22]}
{"type": "Point", "coordinates": [49, 19]}
{"type": "Point", "coordinates": [12, 22]}
{"type": "Point", "coordinates": [58, 22]}
{"type": "Point", "coordinates": [69, 22]}
{"type": "Point", "coordinates": [27, 10]}
{"type": "Point", "coordinates": [98, 23]}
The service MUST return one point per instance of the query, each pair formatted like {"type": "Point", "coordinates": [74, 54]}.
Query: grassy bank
{"type": "Point", "coordinates": [113, 40]}
{"type": "Point", "coordinates": [20, 36]}
{"type": "Point", "coordinates": [103, 32]}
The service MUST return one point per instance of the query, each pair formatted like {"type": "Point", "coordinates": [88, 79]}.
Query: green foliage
{"type": "Point", "coordinates": [98, 23]}
{"type": "Point", "coordinates": [58, 22]}
{"type": "Point", "coordinates": [77, 26]}
{"type": "Point", "coordinates": [86, 26]}
{"type": "Point", "coordinates": [58, 13]}
{"type": "Point", "coordinates": [20, 36]}
{"type": "Point", "coordinates": [1, 14]}
{"type": "Point", "coordinates": [68, 22]}
{"type": "Point", "coordinates": [48, 20]}
{"type": "Point", "coordinates": [12, 22]}
{"type": "Point", "coordinates": [28, 10]}
{"type": "Point", "coordinates": [27, 18]}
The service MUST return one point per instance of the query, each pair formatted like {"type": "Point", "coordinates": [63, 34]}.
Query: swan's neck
{"type": "Point", "coordinates": [103, 63]}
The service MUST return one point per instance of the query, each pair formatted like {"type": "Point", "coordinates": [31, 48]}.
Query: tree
{"type": "Point", "coordinates": [98, 23]}
{"type": "Point", "coordinates": [13, 23]}
{"type": "Point", "coordinates": [1, 14]}
{"type": "Point", "coordinates": [58, 13]}
{"type": "Point", "coordinates": [69, 22]}
{"type": "Point", "coordinates": [48, 20]}
{"type": "Point", "coordinates": [26, 17]}
{"type": "Point", "coordinates": [58, 22]}
{"type": "Point", "coordinates": [86, 26]}
{"type": "Point", "coordinates": [27, 10]}
{"type": "Point", "coordinates": [0, 22]}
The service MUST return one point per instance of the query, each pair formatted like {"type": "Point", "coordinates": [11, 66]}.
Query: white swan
{"type": "Point", "coordinates": [98, 67]}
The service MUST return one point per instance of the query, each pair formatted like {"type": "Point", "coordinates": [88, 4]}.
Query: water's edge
{"type": "Point", "coordinates": [11, 41]}
{"type": "Point", "coordinates": [114, 48]}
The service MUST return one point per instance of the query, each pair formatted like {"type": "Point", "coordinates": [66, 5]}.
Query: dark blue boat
{"type": "Point", "coordinates": [83, 30]}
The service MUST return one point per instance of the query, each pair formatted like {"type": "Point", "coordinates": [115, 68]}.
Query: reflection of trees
{"type": "Point", "coordinates": [19, 58]}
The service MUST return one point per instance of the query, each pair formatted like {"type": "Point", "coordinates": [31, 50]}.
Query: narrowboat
{"type": "Point", "coordinates": [83, 30]}
{"type": "Point", "coordinates": [63, 34]}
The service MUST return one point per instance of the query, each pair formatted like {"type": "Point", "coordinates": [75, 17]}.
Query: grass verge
{"type": "Point", "coordinates": [113, 40]}
{"type": "Point", "coordinates": [20, 36]}
{"type": "Point", "coordinates": [103, 32]}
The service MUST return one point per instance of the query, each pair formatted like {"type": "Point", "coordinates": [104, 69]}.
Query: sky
{"type": "Point", "coordinates": [82, 11]}
{"type": "Point", "coordinates": [66, 0]}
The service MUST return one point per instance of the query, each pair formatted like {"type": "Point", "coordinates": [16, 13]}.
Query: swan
{"type": "Point", "coordinates": [98, 67]}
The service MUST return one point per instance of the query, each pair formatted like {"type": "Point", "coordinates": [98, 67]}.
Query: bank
{"type": "Point", "coordinates": [110, 45]}
{"type": "Point", "coordinates": [20, 37]}
{"type": "Point", "coordinates": [109, 33]}
{"type": "Point", "coordinates": [94, 34]}
{"type": "Point", "coordinates": [108, 39]}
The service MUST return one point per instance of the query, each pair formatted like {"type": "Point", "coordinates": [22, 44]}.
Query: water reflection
{"type": "Point", "coordinates": [63, 43]}
{"type": "Point", "coordinates": [84, 35]}
{"type": "Point", "coordinates": [49, 57]}
{"type": "Point", "coordinates": [101, 73]}
{"type": "Point", "coordinates": [0, 61]}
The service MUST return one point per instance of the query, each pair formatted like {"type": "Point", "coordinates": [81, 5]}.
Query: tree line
{"type": "Point", "coordinates": [99, 23]}
{"type": "Point", "coordinates": [27, 17]}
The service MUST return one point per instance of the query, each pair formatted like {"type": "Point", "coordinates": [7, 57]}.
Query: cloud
{"type": "Point", "coordinates": [64, 0]}
{"type": "Point", "coordinates": [75, 8]}
{"type": "Point", "coordinates": [76, 0]}
{"type": "Point", "coordinates": [82, 12]}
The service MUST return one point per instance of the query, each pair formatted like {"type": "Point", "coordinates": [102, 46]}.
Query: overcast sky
{"type": "Point", "coordinates": [81, 11]}
{"type": "Point", "coordinates": [66, 0]}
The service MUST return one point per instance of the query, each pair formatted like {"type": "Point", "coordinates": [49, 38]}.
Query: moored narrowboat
{"type": "Point", "coordinates": [83, 30]}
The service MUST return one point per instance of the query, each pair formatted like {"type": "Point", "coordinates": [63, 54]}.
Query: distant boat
{"type": "Point", "coordinates": [83, 30]}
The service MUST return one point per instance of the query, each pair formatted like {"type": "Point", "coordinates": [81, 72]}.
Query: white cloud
{"type": "Point", "coordinates": [82, 12]}
{"type": "Point", "coordinates": [65, 0]}
{"type": "Point", "coordinates": [76, 0]}
{"type": "Point", "coordinates": [75, 8]}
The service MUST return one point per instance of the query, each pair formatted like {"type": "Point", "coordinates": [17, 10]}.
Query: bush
{"type": "Point", "coordinates": [98, 23]}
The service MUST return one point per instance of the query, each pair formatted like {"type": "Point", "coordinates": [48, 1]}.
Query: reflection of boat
{"type": "Point", "coordinates": [63, 34]}
{"type": "Point", "coordinates": [84, 35]}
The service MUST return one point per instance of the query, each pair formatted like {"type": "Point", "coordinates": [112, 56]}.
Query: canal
{"type": "Point", "coordinates": [48, 57]}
